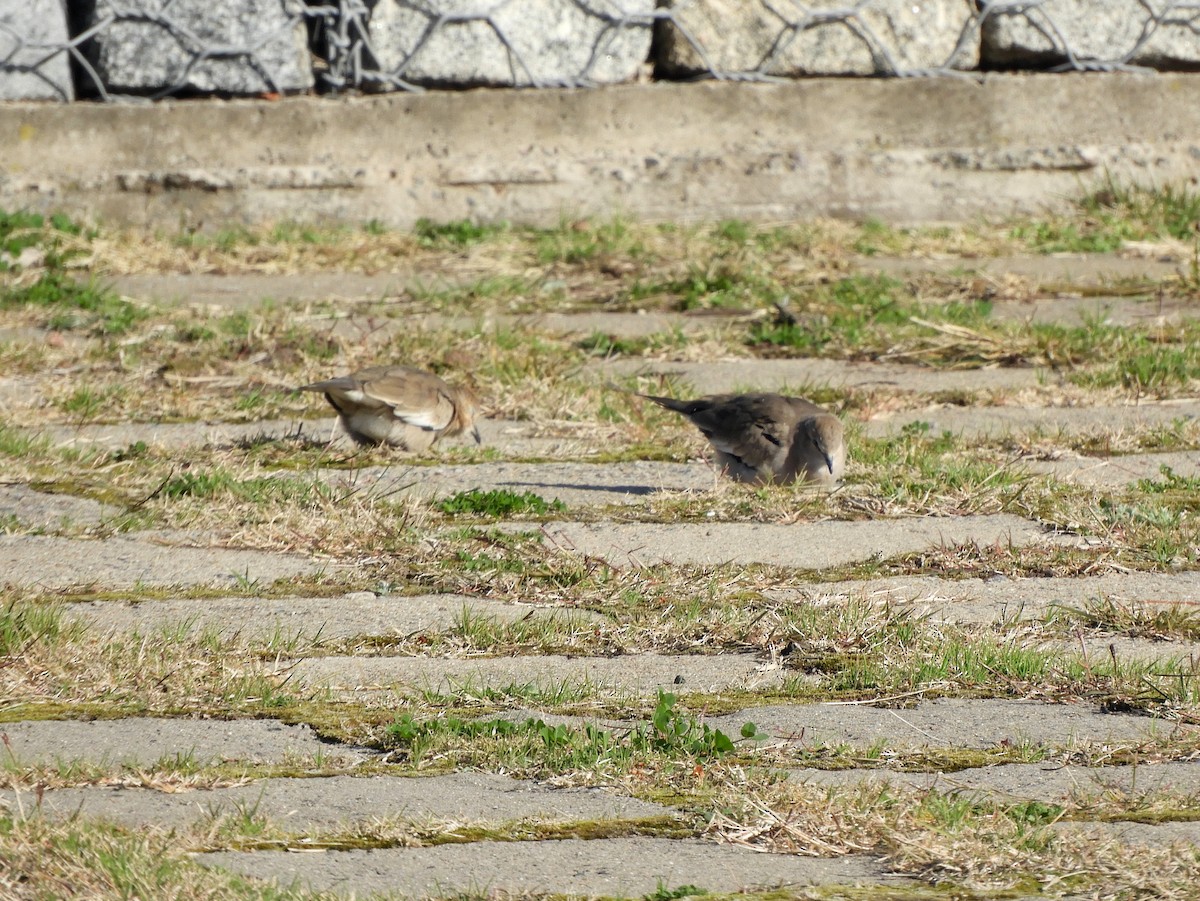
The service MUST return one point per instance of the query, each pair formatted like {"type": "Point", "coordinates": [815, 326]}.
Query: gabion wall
{"type": "Point", "coordinates": [113, 49]}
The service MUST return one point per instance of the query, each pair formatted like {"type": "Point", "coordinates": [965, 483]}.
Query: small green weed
{"type": "Point", "coordinates": [562, 748]}
{"type": "Point", "coordinates": [1169, 210]}
{"type": "Point", "coordinates": [1070, 237]}
{"type": "Point", "coordinates": [1137, 620]}
{"type": "Point", "coordinates": [222, 483]}
{"type": "Point", "coordinates": [583, 242]}
{"type": "Point", "coordinates": [225, 240]}
{"type": "Point", "coordinates": [1169, 482]}
{"type": "Point", "coordinates": [1108, 217]}
{"type": "Point", "coordinates": [735, 231]}
{"type": "Point", "coordinates": [663, 893]}
{"type": "Point", "coordinates": [16, 442]}
{"type": "Point", "coordinates": [719, 285]}
{"type": "Point", "coordinates": [87, 403]}
{"type": "Point", "coordinates": [300, 233]}
{"type": "Point", "coordinates": [23, 229]}
{"type": "Point", "coordinates": [874, 237]}
{"type": "Point", "coordinates": [75, 304]}
{"type": "Point", "coordinates": [498, 502]}
{"type": "Point", "coordinates": [461, 233]}
{"type": "Point", "coordinates": [23, 624]}
{"type": "Point", "coordinates": [842, 313]}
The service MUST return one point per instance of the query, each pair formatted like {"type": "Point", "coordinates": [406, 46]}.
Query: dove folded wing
{"type": "Point", "coordinates": [400, 406]}
{"type": "Point", "coordinates": [767, 437]}
{"type": "Point", "coordinates": [417, 402]}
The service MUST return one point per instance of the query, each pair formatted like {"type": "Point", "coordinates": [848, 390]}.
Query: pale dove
{"type": "Point", "coordinates": [401, 406]}
{"type": "Point", "coordinates": [767, 437]}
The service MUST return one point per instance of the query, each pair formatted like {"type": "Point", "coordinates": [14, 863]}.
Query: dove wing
{"type": "Point", "coordinates": [754, 428]}
{"type": "Point", "coordinates": [415, 397]}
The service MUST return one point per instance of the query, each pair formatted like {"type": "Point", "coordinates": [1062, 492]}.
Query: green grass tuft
{"type": "Point", "coordinates": [74, 304]}
{"type": "Point", "coordinates": [461, 233]}
{"type": "Point", "coordinates": [499, 502]}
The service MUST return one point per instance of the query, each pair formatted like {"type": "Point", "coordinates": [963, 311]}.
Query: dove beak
{"type": "Point", "coordinates": [828, 462]}
{"type": "Point", "coordinates": [475, 434]}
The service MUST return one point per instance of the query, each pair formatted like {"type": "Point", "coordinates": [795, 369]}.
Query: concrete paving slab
{"type": "Point", "coordinates": [1117, 472]}
{"type": "Point", "coordinates": [1072, 310]}
{"type": "Point", "coordinates": [1068, 310]}
{"type": "Point", "coordinates": [951, 723]}
{"type": "Point", "coordinates": [639, 674]}
{"type": "Point", "coordinates": [1049, 782]}
{"type": "Point", "coordinates": [1052, 270]}
{"type": "Point", "coordinates": [41, 511]}
{"type": "Point", "coordinates": [505, 436]}
{"type": "Point", "coordinates": [358, 614]}
{"type": "Point", "coordinates": [799, 375]}
{"type": "Point", "coordinates": [571, 326]}
{"type": "Point", "coordinates": [814, 545]}
{"type": "Point", "coordinates": [247, 290]}
{"type": "Point", "coordinates": [51, 563]}
{"type": "Point", "coordinates": [997, 422]}
{"type": "Point", "coordinates": [19, 393]}
{"type": "Point", "coordinates": [116, 436]}
{"type": "Point", "coordinates": [1143, 835]}
{"type": "Point", "coordinates": [344, 802]}
{"type": "Point", "coordinates": [144, 741]}
{"type": "Point", "coordinates": [618, 867]}
{"type": "Point", "coordinates": [575, 484]}
{"type": "Point", "coordinates": [511, 438]}
{"type": "Point", "coordinates": [1098, 649]}
{"type": "Point", "coordinates": [1000, 598]}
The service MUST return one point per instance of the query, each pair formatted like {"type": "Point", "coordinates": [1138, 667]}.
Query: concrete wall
{"type": "Point", "coordinates": [903, 150]}
{"type": "Point", "coordinates": [60, 49]}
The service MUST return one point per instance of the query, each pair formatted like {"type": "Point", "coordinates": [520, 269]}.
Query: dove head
{"type": "Point", "coordinates": [827, 459]}
{"type": "Point", "coordinates": [466, 408]}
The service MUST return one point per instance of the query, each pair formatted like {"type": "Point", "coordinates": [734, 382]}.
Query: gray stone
{"type": "Point", "coordinates": [354, 615]}
{"type": "Point", "coordinates": [798, 375]}
{"type": "Point", "coordinates": [509, 437]}
{"type": "Point", "coordinates": [231, 46]}
{"type": "Point", "coordinates": [1162, 34]}
{"type": "Point", "coordinates": [343, 801]}
{"type": "Point", "coordinates": [1117, 472]}
{"type": "Point", "coordinates": [116, 436]}
{"type": "Point", "coordinates": [1050, 782]}
{"type": "Point", "coordinates": [1053, 273]}
{"type": "Point", "coordinates": [618, 867]}
{"type": "Point", "coordinates": [33, 60]}
{"type": "Point", "coordinates": [143, 741]}
{"type": "Point", "coordinates": [818, 37]}
{"type": "Point", "coordinates": [999, 600]}
{"type": "Point", "coordinates": [574, 484]}
{"type": "Point", "coordinates": [18, 394]}
{"type": "Point", "coordinates": [1134, 835]}
{"type": "Point", "coordinates": [812, 545]}
{"type": "Point", "coordinates": [1158, 655]}
{"type": "Point", "coordinates": [49, 563]}
{"type": "Point", "coordinates": [1020, 420]}
{"type": "Point", "coordinates": [40, 511]}
{"type": "Point", "coordinates": [511, 43]}
{"type": "Point", "coordinates": [948, 723]}
{"type": "Point", "coordinates": [642, 674]}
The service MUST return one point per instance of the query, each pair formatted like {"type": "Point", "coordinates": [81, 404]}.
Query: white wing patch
{"type": "Point", "coordinates": [432, 418]}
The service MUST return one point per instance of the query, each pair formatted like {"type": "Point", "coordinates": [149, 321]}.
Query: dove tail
{"type": "Point", "coordinates": [342, 383]}
{"type": "Point", "coordinates": [671, 403]}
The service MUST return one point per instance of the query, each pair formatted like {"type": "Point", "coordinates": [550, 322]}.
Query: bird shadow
{"type": "Point", "coordinates": [616, 489]}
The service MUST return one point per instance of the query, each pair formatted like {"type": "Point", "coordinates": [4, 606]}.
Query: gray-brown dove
{"type": "Point", "coordinates": [401, 406]}
{"type": "Point", "coordinates": [767, 437]}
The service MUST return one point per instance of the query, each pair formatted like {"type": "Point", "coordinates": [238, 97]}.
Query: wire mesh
{"type": "Point", "coordinates": [159, 48]}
